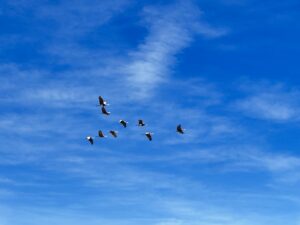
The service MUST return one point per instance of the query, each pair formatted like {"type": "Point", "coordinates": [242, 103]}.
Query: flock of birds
{"type": "Point", "coordinates": [103, 104]}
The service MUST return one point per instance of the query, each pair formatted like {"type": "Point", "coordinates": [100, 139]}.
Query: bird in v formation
{"type": "Point", "coordinates": [124, 123]}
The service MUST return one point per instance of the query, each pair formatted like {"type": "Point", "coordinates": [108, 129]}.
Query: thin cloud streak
{"type": "Point", "coordinates": [171, 29]}
{"type": "Point", "coordinates": [271, 102]}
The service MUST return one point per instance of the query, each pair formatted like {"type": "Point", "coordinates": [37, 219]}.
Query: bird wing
{"type": "Point", "coordinates": [148, 135]}
{"type": "Point", "coordinates": [101, 100]}
{"type": "Point", "coordinates": [104, 111]}
{"type": "Point", "coordinates": [113, 133]}
{"type": "Point", "coordinates": [100, 133]}
{"type": "Point", "coordinates": [179, 129]}
{"type": "Point", "coordinates": [123, 123]}
{"type": "Point", "coordinates": [90, 139]}
{"type": "Point", "coordinates": [141, 123]}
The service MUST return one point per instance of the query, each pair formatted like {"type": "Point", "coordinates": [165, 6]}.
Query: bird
{"type": "Point", "coordinates": [102, 102]}
{"type": "Point", "coordinates": [179, 129]}
{"type": "Point", "coordinates": [104, 111]}
{"type": "Point", "coordinates": [100, 134]}
{"type": "Point", "coordinates": [141, 123]}
{"type": "Point", "coordinates": [123, 122]}
{"type": "Point", "coordinates": [90, 139]}
{"type": "Point", "coordinates": [113, 133]}
{"type": "Point", "coordinates": [149, 135]}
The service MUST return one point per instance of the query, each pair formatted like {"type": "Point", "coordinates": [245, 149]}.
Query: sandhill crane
{"type": "Point", "coordinates": [114, 133]}
{"type": "Point", "coordinates": [102, 102]}
{"type": "Point", "coordinates": [123, 122]}
{"type": "Point", "coordinates": [90, 139]}
{"type": "Point", "coordinates": [104, 111]}
{"type": "Point", "coordinates": [141, 123]}
{"type": "Point", "coordinates": [179, 129]}
{"type": "Point", "coordinates": [149, 135]}
{"type": "Point", "coordinates": [100, 134]}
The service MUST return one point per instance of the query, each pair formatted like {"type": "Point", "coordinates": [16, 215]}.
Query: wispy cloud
{"type": "Point", "coordinates": [269, 101]}
{"type": "Point", "coordinates": [171, 29]}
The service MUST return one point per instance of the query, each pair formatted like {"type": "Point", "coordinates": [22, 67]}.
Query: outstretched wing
{"type": "Point", "coordinates": [123, 123]}
{"type": "Point", "coordinates": [113, 133]}
{"type": "Point", "coordinates": [179, 129]}
{"type": "Point", "coordinates": [100, 133]}
{"type": "Point", "coordinates": [101, 100]}
{"type": "Point", "coordinates": [90, 139]}
{"type": "Point", "coordinates": [148, 135]}
{"type": "Point", "coordinates": [103, 109]}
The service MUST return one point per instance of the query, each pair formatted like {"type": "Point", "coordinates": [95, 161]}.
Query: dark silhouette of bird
{"type": "Point", "coordinates": [179, 129]}
{"type": "Point", "coordinates": [90, 139]}
{"type": "Point", "coordinates": [102, 102]}
{"type": "Point", "coordinates": [114, 133]}
{"type": "Point", "coordinates": [103, 109]}
{"type": "Point", "coordinates": [149, 135]}
{"type": "Point", "coordinates": [100, 134]}
{"type": "Point", "coordinates": [123, 122]}
{"type": "Point", "coordinates": [141, 123]}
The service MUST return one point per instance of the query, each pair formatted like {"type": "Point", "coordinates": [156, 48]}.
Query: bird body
{"type": "Point", "coordinates": [149, 135]}
{"type": "Point", "coordinates": [90, 139]}
{"type": "Point", "coordinates": [179, 129]}
{"type": "Point", "coordinates": [114, 133]}
{"type": "Point", "coordinates": [123, 122]}
{"type": "Point", "coordinates": [141, 123]}
{"type": "Point", "coordinates": [104, 111]}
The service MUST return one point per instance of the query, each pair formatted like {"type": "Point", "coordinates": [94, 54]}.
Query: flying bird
{"type": "Point", "coordinates": [102, 102]}
{"type": "Point", "coordinates": [179, 129]}
{"type": "Point", "coordinates": [114, 133]}
{"type": "Point", "coordinates": [123, 122]}
{"type": "Point", "coordinates": [104, 111]}
{"type": "Point", "coordinates": [141, 123]}
{"type": "Point", "coordinates": [100, 134]}
{"type": "Point", "coordinates": [90, 139]}
{"type": "Point", "coordinates": [149, 136]}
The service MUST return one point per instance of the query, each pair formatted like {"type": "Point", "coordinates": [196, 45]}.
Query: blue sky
{"type": "Point", "coordinates": [227, 70]}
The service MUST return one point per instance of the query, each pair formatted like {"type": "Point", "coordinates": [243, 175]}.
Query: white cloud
{"type": "Point", "coordinates": [171, 29]}
{"type": "Point", "coordinates": [272, 102]}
